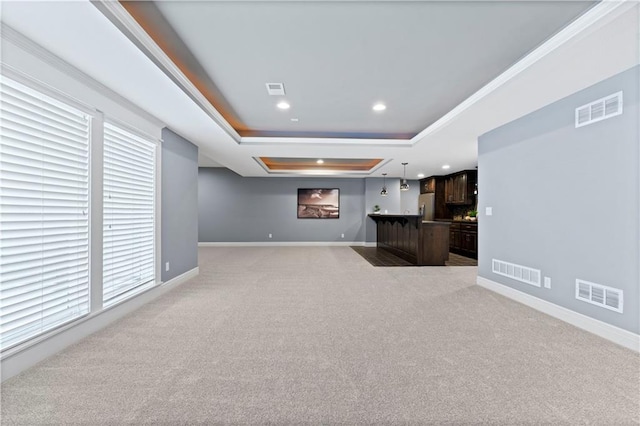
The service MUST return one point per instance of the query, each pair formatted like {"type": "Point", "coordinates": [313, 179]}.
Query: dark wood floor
{"type": "Point", "coordinates": [380, 257]}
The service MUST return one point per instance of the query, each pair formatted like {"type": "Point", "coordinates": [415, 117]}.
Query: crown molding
{"type": "Point", "coordinates": [18, 39]}
{"type": "Point", "coordinates": [272, 140]}
{"type": "Point", "coordinates": [599, 14]}
{"type": "Point", "coordinates": [119, 16]}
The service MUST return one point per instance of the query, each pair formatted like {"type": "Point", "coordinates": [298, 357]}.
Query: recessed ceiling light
{"type": "Point", "coordinates": [379, 107]}
{"type": "Point", "coordinates": [295, 120]}
{"type": "Point", "coordinates": [420, 175]}
{"type": "Point", "coordinates": [283, 105]}
{"type": "Point", "coordinates": [320, 161]}
{"type": "Point", "coordinates": [446, 166]}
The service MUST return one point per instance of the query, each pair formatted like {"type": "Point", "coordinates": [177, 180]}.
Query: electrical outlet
{"type": "Point", "coordinates": [547, 282]}
{"type": "Point", "coordinates": [488, 211]}
{"type": "Point", "coordinates": [166, 267]}
{"type": "Point", "coordinates": [342, 235]}
{"type": "Point", "coordinates": [270, 235]}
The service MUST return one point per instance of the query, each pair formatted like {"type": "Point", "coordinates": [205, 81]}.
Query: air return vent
{"type": "Point", "coordinates": [275, 89]}
{"type": "Point", "coordinates": [599, 295]}
{"type": "Point", "coordinates": [603, 108]}
{"type": "Point", "coordinates": [517, 272]}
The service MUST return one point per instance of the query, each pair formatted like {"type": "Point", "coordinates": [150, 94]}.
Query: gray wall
{"type": "Point", "coordinates": [236, 209]}
{"type": "Point", "coordinates": [566, 200]}
{"type": "Point", "coordinates": [396, 202]}
{"type": "Point", "coordinates": [179, 234]}
{"type": "Point", "coordinates": [409, 199]}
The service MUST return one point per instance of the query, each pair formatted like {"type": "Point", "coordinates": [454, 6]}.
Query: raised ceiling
{"type": "Point", "coordinates": [319, 165]}
{"type": "Point", "coordinates": [337, 59]}
{"type": "Point", "coordinates": [104, 41]}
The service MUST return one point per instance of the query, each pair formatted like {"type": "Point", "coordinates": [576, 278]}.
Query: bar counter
{"type": "Point", "coordinates": [422, 243]}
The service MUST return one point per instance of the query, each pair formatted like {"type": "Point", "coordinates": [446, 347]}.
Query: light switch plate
{"type": "Point", "coordinates": [488, 211]}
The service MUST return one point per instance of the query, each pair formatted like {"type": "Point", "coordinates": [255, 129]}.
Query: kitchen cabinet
{"type": "Point", "coordinates": [454, 237]}
{"type": "Point", "coordinates": [428, 185]}
{"type": "Point", "coordinates": [463, 239]}
{"type": "Point", "coordinates": [460, 187]}
{"type": "Point", "coordinates": [436, 185]}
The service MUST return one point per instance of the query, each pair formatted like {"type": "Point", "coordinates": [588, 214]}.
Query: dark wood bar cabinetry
{"type": "Point", "coordinates": [455, 195]}
{"type": "Point", "coordinates": [422, 243]}
{"type": "Point", "coordinates": [460, 187]}
{"type": "Point", "coordinates": [463, 238]}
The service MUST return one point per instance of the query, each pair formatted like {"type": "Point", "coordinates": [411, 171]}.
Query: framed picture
{"type": "Point", "coordinates": [318, 203]}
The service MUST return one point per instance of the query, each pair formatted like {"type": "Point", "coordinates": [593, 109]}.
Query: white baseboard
{"type": "Point", "coordinates": [283, 244]}
{"type": "Point", "coordinates": [370, 244]}
{"type": "Point", "coordinates": [22, 357]}
{"type": "Point", "coordinates": [610, 332]}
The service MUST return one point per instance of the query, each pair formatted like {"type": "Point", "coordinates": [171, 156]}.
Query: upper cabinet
{"type": "Point", "coordinates": [428, 185]}
{"type": "Point", "coordinates": [459, 187]}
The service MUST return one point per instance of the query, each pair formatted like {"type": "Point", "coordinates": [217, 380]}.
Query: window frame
{"type": "Point", "coordinates": [95, 203]}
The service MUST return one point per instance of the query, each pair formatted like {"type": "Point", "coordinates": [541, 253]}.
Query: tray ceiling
{"type": "Point", "coordinates": [337, 59]}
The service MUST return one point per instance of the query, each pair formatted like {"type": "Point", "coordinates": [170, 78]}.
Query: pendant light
{"type": "Point", "coordinates": [384, 185]}
{"type": "Point", "coordinates": [404, 186]}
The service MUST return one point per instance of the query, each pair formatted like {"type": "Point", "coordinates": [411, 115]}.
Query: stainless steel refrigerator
{"type": "Point", "coordinates": [426, 204]}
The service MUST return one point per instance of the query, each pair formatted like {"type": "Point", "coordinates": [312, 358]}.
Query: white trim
{"type": "Point", "coordinates": [594, 15]}
{"type": "Point", "coordinates": [117, 14]}
{"type": "Point", "coordinates": [133, 129]}
{"type": "Point", "coordinates": [283, 244]}
{"type": "Point", "coordinates": [157, 240]}
{"type": "Point", "coordinates": [44, 55]}
{"type": "Point", "coordinates": [266, 140]}
{"type": "Point", "coordinates": [96, 212]}
{"type": "Point", "coordinates": [607, 331]}
{"type": "Point", "coordinates": [370, 244]}
{"type": "Point", "coordinates": [22, 357]}
{"type": "Point", "coordinates": [21, 77]}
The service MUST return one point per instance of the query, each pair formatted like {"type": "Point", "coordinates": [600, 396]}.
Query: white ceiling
{"type": "Point", "coordinates": [596, 48]}
{"type": "Point", "coordinates": [336, 59]}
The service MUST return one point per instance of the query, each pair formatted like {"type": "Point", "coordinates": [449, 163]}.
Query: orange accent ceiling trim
{"type": "Point", "coordinates": [285, 164]}
{"type": "Point", "coordinates": [155, 25]}
{"type": "Point", "coordinates": [136, 10]}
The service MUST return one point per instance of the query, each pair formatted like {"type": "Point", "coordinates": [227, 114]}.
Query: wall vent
{"type": "Point", "coordinates": [275, 89]}
{"type": "Point", "coordinates": [599, 295]}
{"type": "Point", "coordinates": [517, 272]}
{"type": "Point", "coordinates": [603, 108]}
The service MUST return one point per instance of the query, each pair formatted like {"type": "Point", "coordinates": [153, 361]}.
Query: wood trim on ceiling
{"type": "Point", "coordinates": [336, 164]}
{"type": "Point", "coordinates": [146, 14]}
{"type": "Point", "coordinates": [151, 20]}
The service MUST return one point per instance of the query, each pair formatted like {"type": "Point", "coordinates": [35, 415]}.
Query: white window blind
{"type": "Point", "coordinates": [44, 201]}
{"type": "Point", "coordinates": [129, 198]}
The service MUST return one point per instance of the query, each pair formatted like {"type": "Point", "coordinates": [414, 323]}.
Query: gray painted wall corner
{"type": "Point", "coordinates": [179, 220]}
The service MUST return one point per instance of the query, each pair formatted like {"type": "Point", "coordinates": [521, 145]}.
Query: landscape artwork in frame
{"type": "Point", "coordinates": [318, 203]}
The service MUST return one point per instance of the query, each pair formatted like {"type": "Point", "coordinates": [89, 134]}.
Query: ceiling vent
{"type": "Point", "coordinates": [517, 272]}
{"type": "Point", "coordinates": [599, 110]}
{"type": "Point", "coordinates": [275, 89]}
{"type": "Point", "coordinates": [599, 295]}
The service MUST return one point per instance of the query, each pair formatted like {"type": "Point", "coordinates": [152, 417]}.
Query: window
{"type": "Point", "coordinates": [44, 221]}
{"type": "Point", "coordinates": [129, 213]}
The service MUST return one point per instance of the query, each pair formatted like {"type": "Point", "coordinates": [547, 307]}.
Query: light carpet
{"type": "Point", "coordinates": [290, 335]}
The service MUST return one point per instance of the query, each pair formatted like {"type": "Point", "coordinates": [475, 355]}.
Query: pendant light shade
{"type": "Point", "coordinates": [404, 186]}
{"type": "Point", "coordinates": [384, 185]}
